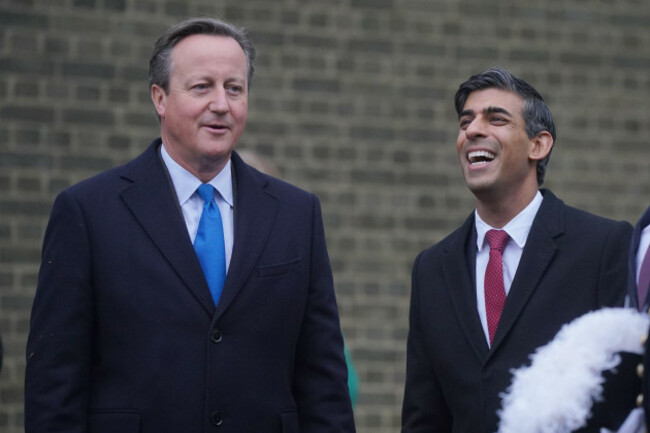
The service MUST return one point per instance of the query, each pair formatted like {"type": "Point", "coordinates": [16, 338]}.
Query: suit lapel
{"type": "Point", "coordinates": [255, 213]}
{"type": "Point", "coordinates": [634, 248]}
{"type": "Point", "coordinates": [537, 255]}
{"type": "Point", "coordinates": [152, 200]}
{"type": "Point", "coordinates": [456, 266]}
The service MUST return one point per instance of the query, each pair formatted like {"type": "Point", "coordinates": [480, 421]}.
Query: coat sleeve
{"type": "Point", "coordinates": [424, 408]}
{"type": "Point", "coordinates": [58, 347]}
{"type": "Point", "coordinates": [320, 373]}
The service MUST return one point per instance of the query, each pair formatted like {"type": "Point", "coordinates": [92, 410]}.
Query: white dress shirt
{"type": "Point", "coordinates": [185, 184]}
{"type": "Point", "coordinates": [518, 229]}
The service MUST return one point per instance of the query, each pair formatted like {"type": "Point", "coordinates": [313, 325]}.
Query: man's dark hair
{"type": "Point", "coordinates": [536, 114]}
{"type": "Point", "coordinates": [160, 64]}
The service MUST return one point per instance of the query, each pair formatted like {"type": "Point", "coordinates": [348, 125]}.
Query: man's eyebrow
{"type": "Point", "coordinates": [466, 113]}
{"type": "Point", "coordinates": [488, 110]}
{"type": "Point", "coordinates": [492, 110]}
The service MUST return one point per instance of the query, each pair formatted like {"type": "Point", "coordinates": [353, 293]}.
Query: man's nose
{"type": "Point", "coordinates": [218, 101]}
{"type": "Point", "coordinates": [475, 129]}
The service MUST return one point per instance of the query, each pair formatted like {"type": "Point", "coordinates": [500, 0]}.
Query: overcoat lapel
{"type": "Point", "coordinates": [634, 247]}
{"type": "Point", "coordinates": [538, 253]}
{"type": "Point", "coordinates": [151, 198]}
{"type": "Point", "coordinates": [255, 213]}
{"type": "Point", "coordinates": [462, 292]}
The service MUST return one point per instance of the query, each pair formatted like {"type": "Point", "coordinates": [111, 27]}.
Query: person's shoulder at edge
{"type": "Point", "coordinates": [581, 218]}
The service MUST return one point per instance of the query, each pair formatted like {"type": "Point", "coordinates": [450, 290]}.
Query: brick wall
{"type": "Point", "coordinates": [352, 99]}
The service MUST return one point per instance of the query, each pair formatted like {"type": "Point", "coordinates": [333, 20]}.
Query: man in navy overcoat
{"type": "Point", "coordinates": [558, 263]}
{"type": "Point", "coordinates": [125, 334]}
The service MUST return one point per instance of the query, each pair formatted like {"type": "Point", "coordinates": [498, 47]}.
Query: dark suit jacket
{"type": "Point", "coordinates": [573, 262]}
{"type": "Point", "coordinates": [125, 336]}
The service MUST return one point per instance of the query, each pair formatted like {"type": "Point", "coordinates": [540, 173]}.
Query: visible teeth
{"type": "Point", "coordinates": [480, 156]}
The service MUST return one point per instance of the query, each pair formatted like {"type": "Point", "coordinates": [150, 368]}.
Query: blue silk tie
{"type": "Point", "coordinates": [209, 244]}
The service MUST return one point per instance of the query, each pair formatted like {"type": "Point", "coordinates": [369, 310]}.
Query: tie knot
{"type": "Point", "coordinates": [206, 191]}
{"type": "Point", "coordinates": [497, 239]}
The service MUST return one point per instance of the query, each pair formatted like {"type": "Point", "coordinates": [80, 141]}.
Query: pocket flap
{"type": "Point", "coordinates": [281, 268]}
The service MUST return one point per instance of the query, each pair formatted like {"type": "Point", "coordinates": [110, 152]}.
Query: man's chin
{"type": "Point", "coordinates": [215, 151]}
{"type": "Point", "coordinates": [478, 185]}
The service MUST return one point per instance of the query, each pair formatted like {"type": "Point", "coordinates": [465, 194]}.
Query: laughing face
{"type": "Point", "coordinates": [204, 111]}
{"type": "Point", "coordinates": [497, 158]}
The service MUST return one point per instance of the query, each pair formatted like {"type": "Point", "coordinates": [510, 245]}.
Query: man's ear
{"type": "Point", "coordinates": [159, 98]}
{"type": "Point", "coordinates": [541, 146]}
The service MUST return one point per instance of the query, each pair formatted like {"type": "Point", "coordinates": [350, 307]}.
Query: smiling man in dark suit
{"type": "Point", "coordinates": [186, 291]}
{"type": "Point", "coordinates": [503, 284]}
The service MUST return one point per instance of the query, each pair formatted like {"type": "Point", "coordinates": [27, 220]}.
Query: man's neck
{"type": "Point", "coordinates": [498, 212]}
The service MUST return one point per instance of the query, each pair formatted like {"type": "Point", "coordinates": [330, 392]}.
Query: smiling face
{"type": "Point", "coordinates": [497, 158]}
{"type": "Point", "coordinates": [204, 112]}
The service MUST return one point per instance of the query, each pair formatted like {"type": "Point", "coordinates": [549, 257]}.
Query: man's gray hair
{"type": "Point", "coordinates": [160, 64]}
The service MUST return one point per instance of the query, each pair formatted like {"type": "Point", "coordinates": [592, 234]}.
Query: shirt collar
{"type": "Point", "coordinates": [517, 228]}
{"type": "Point", "coordinates": [185, 183]}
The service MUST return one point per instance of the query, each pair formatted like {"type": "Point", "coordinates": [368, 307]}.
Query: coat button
{"type": "Point", "coordinates": [639, 400]}
{"type": "Point", "coordinates": [216, 336]}
{"type": "Point", "coordinates": [216, 419]}
{"type": "Point", "coordinates": [639, 370]}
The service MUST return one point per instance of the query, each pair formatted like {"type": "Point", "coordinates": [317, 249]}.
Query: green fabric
{"type": "Point", "coordinates": [353, 378]}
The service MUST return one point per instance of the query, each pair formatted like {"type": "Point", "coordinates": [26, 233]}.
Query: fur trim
{"type": "Point", "coordinates": [555, 394]}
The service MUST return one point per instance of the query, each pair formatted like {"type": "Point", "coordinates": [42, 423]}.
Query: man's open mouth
{"type": "Point", "coordinates": [480, 156]}
{"type": "Point", "coordinates": [217, 127]}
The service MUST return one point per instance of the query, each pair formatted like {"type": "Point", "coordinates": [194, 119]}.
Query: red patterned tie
{"type": "Point", "coordinates": [495, 292]}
